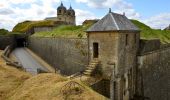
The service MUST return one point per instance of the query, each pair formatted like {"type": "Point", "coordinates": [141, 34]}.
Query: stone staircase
{"type": "Point", "coordinates": [91, 67]}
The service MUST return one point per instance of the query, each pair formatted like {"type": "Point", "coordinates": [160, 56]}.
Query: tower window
{"type": "Point", "coordinates": [126, 41]}
{"type": "Point", "coordinates": [59, 11]}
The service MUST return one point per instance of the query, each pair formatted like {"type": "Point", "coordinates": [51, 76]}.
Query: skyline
{"type": "Point", "coordinates": [154, 13]}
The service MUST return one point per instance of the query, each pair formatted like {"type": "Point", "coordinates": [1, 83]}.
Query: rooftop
{"type": "Point", "coordinates": [113, 22]}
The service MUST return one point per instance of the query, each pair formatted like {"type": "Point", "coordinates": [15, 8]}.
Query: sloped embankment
{"type": "Point", "coordinates": [19, 85]}
{"type": "Point", "coordinates": [10, 79]}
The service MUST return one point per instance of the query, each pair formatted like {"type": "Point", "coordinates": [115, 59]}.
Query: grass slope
{"type": "Point", "coordinates": [79, 31]}
{"type": "Point", "coordinates": [10, 79]}
{"type": "Point", "coordinates": [149, 33]}
{"type": "Point", "coordinates": [19, 85]}
{"type": "Point", "coordinates": [65, 31]}
{"type": "Point", "coordinates": [4, 32]}
{"type": "Point", "coordinates": [26, 25]}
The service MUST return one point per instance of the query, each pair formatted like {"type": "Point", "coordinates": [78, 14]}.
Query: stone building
{"type": "Point", "coordinates": [64, 15]}
{"type": "Point", "coordinates": [114, 41]}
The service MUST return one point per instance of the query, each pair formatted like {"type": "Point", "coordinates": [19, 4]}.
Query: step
{"type": "Point", "coordinates": [88, 70]}
{"type": "Point", "coordinates": [94, 61]}
{"type": "Point", "coordinates": [91, 66]}
{"type": "Point", "coordinates": [87, 73]}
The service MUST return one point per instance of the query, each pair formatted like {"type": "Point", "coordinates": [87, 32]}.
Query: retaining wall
{"type": "Point", "coordinates": [5, 41]}
{"type": "Point", "coordinates": [67, 55]}
{"type": "Point", "coordinates": [155, 67]}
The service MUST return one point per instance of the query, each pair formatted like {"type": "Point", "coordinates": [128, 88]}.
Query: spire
{"type": "Point", "coordinates": [110, 10]}
{"type": "Point", "coordinates": [61, 3]}
{"type": "Point", "coordinates": [70, 7]}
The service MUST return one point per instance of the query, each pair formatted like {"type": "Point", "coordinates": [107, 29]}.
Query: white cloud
{"type": "Point", "coordinates": [82, 15]}
{"type": "Point", "coordinates": [119, 5]}
{"type": "Point", "coordinates": [17, 14]}
{"type": "Point", "coordinates": [158, 21]}
{"type": "Point", "coordinates": [6, 11]}
{"type": "Point", "coordinates": [10, 15]}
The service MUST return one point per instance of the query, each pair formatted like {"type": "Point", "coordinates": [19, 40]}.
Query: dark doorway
{"type": "Point", "coordinates": [21, 42]}
{"type": "Point", "coordinates": [95, 50]}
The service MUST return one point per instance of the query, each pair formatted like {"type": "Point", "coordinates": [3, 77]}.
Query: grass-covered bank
{"type": "Point", "coordinates": [149, 33]}
{"type": "Point", "coordinates": [68, 31]}
{"type": "Point", "coordinates": [26, 25]}
{"type": "Point", "coordinates": [4, 32]}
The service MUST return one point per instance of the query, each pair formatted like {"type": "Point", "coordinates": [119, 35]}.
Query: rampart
{"type": "Point", "coordinates": [67, 55]}
{"type": "Point", "coordinates": [155, 68]}
{"type": "Point", "coordinates": [71, 56]}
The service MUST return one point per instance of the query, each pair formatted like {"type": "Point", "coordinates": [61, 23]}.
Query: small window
{"type": "Point", "coordinates": [126, 41]}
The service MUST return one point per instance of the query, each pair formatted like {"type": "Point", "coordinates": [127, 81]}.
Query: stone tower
{"type": "Point", "coordinates": [65, 15]}
{"type": "Point", "coordinates": [114, 41]}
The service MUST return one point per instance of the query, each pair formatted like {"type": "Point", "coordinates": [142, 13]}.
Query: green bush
{"type": "Point", "coordinates": [3, 32]}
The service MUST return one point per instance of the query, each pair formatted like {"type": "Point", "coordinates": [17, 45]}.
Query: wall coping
{"type": "Point", "coordinates": [159, 50]}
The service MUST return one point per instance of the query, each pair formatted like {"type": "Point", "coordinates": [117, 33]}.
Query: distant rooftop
{"type": "Point", "coordinates": [113, 22]}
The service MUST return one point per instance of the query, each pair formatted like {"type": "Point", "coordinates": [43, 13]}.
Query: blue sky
{"type": "Point", "coordinates": [155, 13]}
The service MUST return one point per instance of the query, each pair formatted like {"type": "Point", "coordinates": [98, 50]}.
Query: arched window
{"type": "Point", "coordinates": [59, 11]}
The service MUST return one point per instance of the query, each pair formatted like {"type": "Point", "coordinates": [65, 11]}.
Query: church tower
{"type": "Point", "coordinates": [61, 13]}
{"type": "Point", "coordinates": [71, 15]}
{"type": "Point", "coordinates": [65, 15]}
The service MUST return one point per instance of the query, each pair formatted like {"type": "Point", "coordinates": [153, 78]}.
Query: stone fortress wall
{"type": "Point", "coordinates": [67, 55]}
{"type": "Point", "coordinates": [155, 68]}
{"type": "Point", "coordinates": [71, 56]}
{"type": "Point", "coordinates": [5, 41]}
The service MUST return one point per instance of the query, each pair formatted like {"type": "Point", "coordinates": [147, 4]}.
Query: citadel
{"type": "Point", "coordinates": [128, 67]}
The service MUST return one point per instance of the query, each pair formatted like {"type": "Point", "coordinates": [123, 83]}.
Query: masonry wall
{"type": "Point", "coordinates": [5, 41]}
{"type": "Point", "coordinates": [155, 68]}
{"type": "Point", "coordinates": [43, 29]}
{"type": "Point", "coordinates": [149, 45]}
{"type": "Point", "coordinates": [67, 55]}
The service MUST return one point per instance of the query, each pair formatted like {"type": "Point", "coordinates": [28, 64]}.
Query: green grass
{"type": "Point", "coordinates": [79, 31]}
{"type": "Point", "coordinates": [67, 31]}
{"type": "Point", "coordinates": [149, 33]}
{"type": "Point", "coordinates": [4, 32]}
{"type": "Point", "coordinates": [26, 25]}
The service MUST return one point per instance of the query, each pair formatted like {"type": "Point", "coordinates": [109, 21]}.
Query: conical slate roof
{"type": "Point", "coordinates": [113, 22]}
